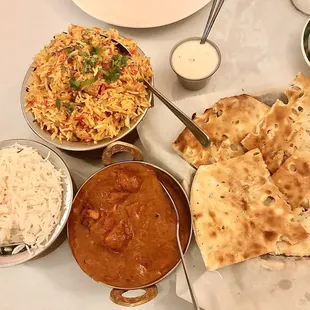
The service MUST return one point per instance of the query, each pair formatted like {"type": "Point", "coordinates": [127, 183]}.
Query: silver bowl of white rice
{"type": "Point", "coordinates": [36, 194]}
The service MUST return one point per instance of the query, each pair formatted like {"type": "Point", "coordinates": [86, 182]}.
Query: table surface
{"type": "Point", "coordinates": [55, 281]}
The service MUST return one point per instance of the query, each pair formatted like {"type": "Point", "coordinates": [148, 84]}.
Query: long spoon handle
{"type": "Point", "coordinates": [191, 290]}
{"type": "Point", "coordinates": [215, 10]}
{"type": "Point", "coordinates": [201, 136]}
{"type": "Point", "coordinates": [190, 287]}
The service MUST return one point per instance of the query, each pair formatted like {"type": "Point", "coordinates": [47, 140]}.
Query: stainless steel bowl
{"type": "Point", "coordinates": [69, 145]}
{"type": "Point", "coordinates": [194, 84]}
{"type": "Point", "coordinates": [11, 260]}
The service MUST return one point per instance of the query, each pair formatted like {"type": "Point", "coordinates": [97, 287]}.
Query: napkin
{"type": "Point", "coordinates": [264, 283]}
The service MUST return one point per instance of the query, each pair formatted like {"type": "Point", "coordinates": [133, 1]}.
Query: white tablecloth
{"type": "Point", "coordinates": [55, 281]}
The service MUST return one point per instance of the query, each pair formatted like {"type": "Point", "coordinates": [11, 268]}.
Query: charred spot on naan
{"type": "Point", "coordinates": [197, 215]}
{"type": "Point", "coordinates": [293, 178]}
{"type": "Point", "coordinates": [270, 235]}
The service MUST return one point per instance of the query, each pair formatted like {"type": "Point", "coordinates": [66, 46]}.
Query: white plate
{"type": "Point", "coordinates": [140, 13]}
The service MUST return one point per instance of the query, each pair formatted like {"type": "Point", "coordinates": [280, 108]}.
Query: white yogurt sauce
{"type": "Point", "coordinates": [193, 60]}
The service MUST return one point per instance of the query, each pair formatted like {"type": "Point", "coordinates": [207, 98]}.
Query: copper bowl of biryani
{"type": "Point", "coordinates": [122, 227]}
{"type": "Point", "coordinates": [81, 93]}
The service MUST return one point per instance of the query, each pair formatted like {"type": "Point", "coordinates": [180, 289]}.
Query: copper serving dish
{"type": "Point", "coordinates": [176, 191]}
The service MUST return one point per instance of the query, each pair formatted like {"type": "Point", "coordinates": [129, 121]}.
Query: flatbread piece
{"type": "Point", "coordinates": [293, 180]}
{"type": "Point", "coordinates": [299, 100]}
{"type": "Point", "coordinates": [238, 213]}
{"type": "Point", "coordinates": [284, 128]}
{"type": "Point", "coordinates": [226, 123]}
{"type": "Point", "coordinates": [301, 248]}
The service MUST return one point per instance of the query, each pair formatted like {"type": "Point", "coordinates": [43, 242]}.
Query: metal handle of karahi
{"type": "Point", "coordinates": [190, 287]}
{"type": "Point", "coordinates": [201, 136]}
{"type": "Point", "coordinates": [215, 9]}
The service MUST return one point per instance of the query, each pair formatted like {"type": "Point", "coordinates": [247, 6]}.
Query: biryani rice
{"type": "Point", "coordinates": [99, 108]}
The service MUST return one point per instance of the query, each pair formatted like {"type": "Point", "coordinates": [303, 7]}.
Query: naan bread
{"type": "Point", "coordinates": [284, 128]}
{"type": "Point", "coordinates": [301, 248]}
{"type": "Point", "coordinates": [238, 213]}
{"type": "Point", "coordinates": [227, 123]}
{"type": "Point", "coordinates": [299, 100]}
{"type": "Point", "coordinates": [293, 180]}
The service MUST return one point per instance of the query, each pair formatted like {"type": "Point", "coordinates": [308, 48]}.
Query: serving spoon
{"type": "Point", "coordinates": [201, 136]}
{"type": "Point", "coordinates": [190, 287]}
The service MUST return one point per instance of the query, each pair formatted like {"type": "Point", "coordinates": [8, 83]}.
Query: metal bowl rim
{"type": "Point", "coordinates": [191, 222]}
{"type": "Point", "coordinates": [302, 45]}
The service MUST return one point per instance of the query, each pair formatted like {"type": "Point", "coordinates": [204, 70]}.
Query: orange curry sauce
{"type": "Point", "coordinates": [122, 227]}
